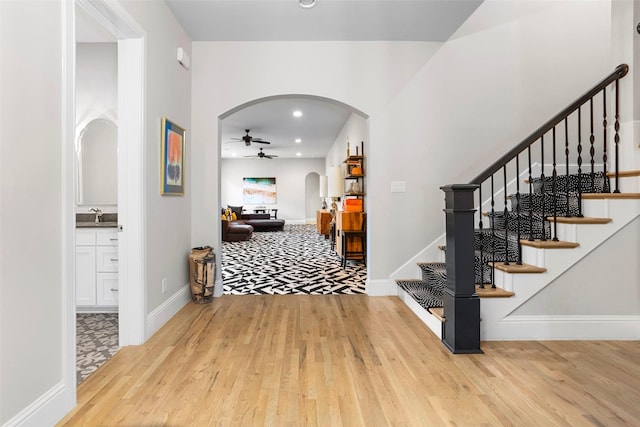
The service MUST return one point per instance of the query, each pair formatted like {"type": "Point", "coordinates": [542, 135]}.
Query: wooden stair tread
{"type": "Point", "coordinates": [489, 292]}
{"type": "Point", "coordinates": [549, 244]}
{"type": "Point", "coordinates": [438, 312]}
{"type": "Point", "coordinates": [579, 220]}
{"type": "Point", "coordinates": [517, 269]}
{"type": "Point", "coordinates": [623, 174]}
{"type": "Point", "coordinates": [611, 196]}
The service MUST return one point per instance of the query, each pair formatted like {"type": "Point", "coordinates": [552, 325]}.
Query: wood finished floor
{"type": "Point", "coordinates": [350, 360]}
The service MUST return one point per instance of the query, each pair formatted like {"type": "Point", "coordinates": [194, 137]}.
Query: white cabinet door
{"type": "Point", "coordinates": [107, 287]}
{"type": "Point", "coordinates": [85, 275]}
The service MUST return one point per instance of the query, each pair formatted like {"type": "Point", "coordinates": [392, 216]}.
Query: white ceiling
{"type": "Point", "coordinates": [282, 20]}
{"type": "Point", "coordinates": [285, 20]}
{"type": "Point", "coordinates": [273, 121]}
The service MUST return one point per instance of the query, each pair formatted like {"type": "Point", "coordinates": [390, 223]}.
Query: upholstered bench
{"type": "Point", "coordinates": [266, 224]}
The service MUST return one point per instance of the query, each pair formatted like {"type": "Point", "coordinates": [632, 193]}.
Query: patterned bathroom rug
{"type": "Point", "coordinates": [297, 260]}
{"type": "Point", "coordinates": [96, 341]}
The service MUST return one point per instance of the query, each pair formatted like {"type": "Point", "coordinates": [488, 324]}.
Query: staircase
{"type": "Point", "coordinates": [539, 222]}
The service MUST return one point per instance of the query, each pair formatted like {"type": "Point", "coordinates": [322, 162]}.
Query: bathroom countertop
{"type": "Point", "coordinates": [88, 220]}
{"type": "Point", "coordinates": [98, 225]}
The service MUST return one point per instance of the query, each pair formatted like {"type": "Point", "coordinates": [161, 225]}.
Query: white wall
{"type": "Point", "coordinates": [32, 243]}
{"type": "Point", "coordinates": [496, 81]}
{"type": "Point", "coordinates": [364, 75]}
{"type": "Point", "coordinates": [290, 175]}
{"type": "Point", "coordinates": [168, 94]}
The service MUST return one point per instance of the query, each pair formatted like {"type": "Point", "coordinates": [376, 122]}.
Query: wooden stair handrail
{"type": "Point", "coordinates": [620, 71]}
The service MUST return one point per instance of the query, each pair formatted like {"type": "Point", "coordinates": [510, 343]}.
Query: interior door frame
{"type": "Point", "coordinates": [131, 117]}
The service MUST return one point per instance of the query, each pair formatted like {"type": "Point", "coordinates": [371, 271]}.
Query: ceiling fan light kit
{"type": "Point", "coordinates": [262, 155]}
{"type": "Point", "coordinates": [248, 139]}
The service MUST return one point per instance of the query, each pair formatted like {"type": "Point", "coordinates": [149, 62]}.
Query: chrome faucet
{"type": "Point", "coordinates": [98, 213]}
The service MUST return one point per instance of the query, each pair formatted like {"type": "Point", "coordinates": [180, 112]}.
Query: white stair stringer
{"type": "Point", "coordinates": [498, 321]}
{"type": "Point", "coordinates": [427, 318]}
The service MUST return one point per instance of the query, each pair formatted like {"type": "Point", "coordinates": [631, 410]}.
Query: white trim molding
{"type": "Point", "coordinates": [571, 327]}
{"type": "Point", "coordinates": [161, 315]}
{"type": "Point", "coordinates": [43, 410]}
{"type": "Point", "coordinates": [433, 323]}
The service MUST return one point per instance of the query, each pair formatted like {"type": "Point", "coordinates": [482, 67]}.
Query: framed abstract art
{"type": "Point", "coordinates": [172, 161]}
{"type": "Point", "coordinates": [259, 191]}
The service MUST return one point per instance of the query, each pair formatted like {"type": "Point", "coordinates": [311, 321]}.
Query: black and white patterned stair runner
{"type": "Point", "coordinates": [499, 240]}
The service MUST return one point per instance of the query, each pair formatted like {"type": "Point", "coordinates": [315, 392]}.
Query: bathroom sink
{"type": "Point", "coordinates": [98, 225]}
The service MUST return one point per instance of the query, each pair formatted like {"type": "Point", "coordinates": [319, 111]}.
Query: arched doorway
{"type": "Point", "coordinates": [304, 136]}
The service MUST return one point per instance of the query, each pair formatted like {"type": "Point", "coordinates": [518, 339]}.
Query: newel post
{"type": "Point", "coordinates": [461, 329]}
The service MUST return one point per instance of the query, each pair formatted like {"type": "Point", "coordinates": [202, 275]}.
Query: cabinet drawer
{"type": "Point", "coordinates": [85, 237]}
{"type": "Point", "coordinates": [107, 238]}
{"type": "Point", "coordinates": [107, 289]}
{"type": "Point", "coordinates": [106, 259]}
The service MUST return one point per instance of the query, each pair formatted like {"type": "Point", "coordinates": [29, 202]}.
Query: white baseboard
{"type": "Point", "coordinates": [161, 315]}
{"type": "Point", "coordinates": [381, 288]}
{"type": "Point", "coordinates": [433, 323]}
{"type": "Point", "coordinates": [570, 327]}
{"type": "Point", "coordinates": [46, 410]}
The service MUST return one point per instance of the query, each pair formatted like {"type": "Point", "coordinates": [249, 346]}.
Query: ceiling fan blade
{"type": "Point", "coordinates": [260, 141]}
{"type": "Point", "coordinates": [237, 139]}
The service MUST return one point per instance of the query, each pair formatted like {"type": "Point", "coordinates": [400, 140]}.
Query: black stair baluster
{"type": "Point", "coordinates": [553, 189]}
{"type": "Point", "coordinates": [616, 138]}
{"type": "Point", "coordinates": [579, 189]}
{"type": "Point", "coordinates": [604, 138]}
{"type": "Point", "coordinates": [566, 158]}
{"type": "Point", "coordinates": [543, 235]}
{"type": "Point", "coordinates": [493, 236]}
{"type": "Point", "coordinates": [506, 215]}
{"type": "Point", "coordinates": [519, 262]}
{"type": "Point", "coordinates": [530, 196]}
{"type": "Point", "coordinates": [480, 214]}
{"type": "Point", "coordinates": [592, 149]}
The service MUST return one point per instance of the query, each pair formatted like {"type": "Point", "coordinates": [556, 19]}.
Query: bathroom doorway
{"type": "Point", "coordinates": [110, 18]}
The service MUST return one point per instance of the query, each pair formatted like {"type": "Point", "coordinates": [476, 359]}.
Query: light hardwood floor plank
{"type": "Point", "coordinates": [350, 360]}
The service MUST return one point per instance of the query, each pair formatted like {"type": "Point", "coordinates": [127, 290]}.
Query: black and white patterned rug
{"type": "Point", "coordinates": [96, 341]}
{"type": "Point", "coordinates": [297, 260]}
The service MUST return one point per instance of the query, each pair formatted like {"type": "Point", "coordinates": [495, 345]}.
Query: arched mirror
{"type": "Point", "coordinates": [98, 164]}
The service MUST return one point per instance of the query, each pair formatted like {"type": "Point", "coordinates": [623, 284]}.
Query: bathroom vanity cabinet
{"type": "Point", "coordinates": [96, 269]}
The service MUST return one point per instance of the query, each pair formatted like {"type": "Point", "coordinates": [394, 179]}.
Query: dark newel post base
{"type": "Point", "coordinates": [461, 328]}
{"type": "Point", "coordinates": [461, 311]}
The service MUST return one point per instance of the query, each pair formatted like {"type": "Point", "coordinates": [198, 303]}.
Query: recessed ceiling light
{"type": "Point", "coordinates": [234, 154]}
{"type": "Point", "coordinates": [297, 113]}
{"type": "Point", "coordinates": [298, 154]}
{"type": "Point", "coordinates": [298, 140]}
{"type": "Point", "coordinates": [307, 4]}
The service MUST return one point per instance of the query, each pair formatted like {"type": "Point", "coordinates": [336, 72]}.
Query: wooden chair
{"type": "Point", "coordinates": [350, 249]}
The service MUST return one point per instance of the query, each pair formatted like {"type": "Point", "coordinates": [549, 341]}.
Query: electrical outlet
{"type": "Point", "coordinates": [164, 285]}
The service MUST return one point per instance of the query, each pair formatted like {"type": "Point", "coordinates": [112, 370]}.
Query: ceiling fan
{"type": "Point", "coordinates": [248, 139]}
{"type": "Point", "coordinates": [262, 155]}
